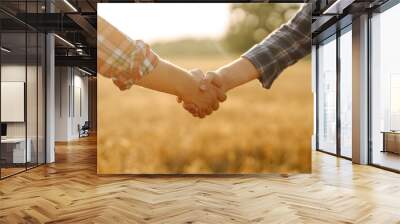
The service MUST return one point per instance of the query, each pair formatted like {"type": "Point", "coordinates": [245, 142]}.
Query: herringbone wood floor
{"type": "Point", "coordinates": [69, 191]}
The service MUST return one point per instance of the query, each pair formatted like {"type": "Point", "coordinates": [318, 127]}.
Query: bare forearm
{"type": "Point", "coordinates": [237, 73]}
{"type": "Point", "coordinates": [168, 78]}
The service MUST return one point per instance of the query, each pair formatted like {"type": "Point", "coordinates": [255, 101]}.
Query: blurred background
{"type": "Point", "coordinates": [254, 131]}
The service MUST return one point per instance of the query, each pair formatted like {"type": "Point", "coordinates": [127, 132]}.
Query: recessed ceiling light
{"type": "Point", "coordinates": [337, 7]}
{"type": "Point", "coordinates": [5, 50]}
{"type": "Point", "coordinates": [84, 71]}
{"type": "Point", "coordinates": [70, 5]}
{"type": "Point", "coordinates": [64, 40]}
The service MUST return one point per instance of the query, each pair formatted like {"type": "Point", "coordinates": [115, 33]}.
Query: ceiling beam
{"type": "Point", "coordinates": [337, 7]}
{"type": "Point", "coordinates": [49, 22]}
{"type": "Point", "coordinates": [79, 61]}
{"type": "Point", "coordinates": [86, 27]}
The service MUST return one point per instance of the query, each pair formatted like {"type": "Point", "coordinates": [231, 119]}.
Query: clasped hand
{"type": "Point", "coordinates": [206, 95]}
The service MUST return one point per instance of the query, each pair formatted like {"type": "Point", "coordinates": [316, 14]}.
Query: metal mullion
{"type": "Point", "coordinates": [26, 89]}
{"type": "Point", "coordinates": [45, 88]}
{"type": "Point", "coordinates": [13, 174]}
{"type": "Point", "coordinates": [45, 96]}
{"type": "Point", "coordinates": [385, 168]}
{"type": "Point", "coordinates": [338, 97]}
{"type": "Point", "coordinates": [369, 101]}
{"type": "Point", "coordinates": [37, 90]}
{"type": "Point", "coordinates": [317, 96]}
{"type": "Point", "coordinates": [44, 78]}
{"type": "Point", "coordinates": [333, 154]}
{"type": "Point", "coordinates": [386, 6]}
{"type": "Point", "coordinates": [345, 157]}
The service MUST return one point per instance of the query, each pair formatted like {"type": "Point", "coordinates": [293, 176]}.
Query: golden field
{"type": "Point", "coordinates": [141, 131]}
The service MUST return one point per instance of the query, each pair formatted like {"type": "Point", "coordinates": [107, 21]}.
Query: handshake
{"type": "Point", "coordinates": [202, 98]}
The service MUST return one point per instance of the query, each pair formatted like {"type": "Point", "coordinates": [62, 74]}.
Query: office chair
{"type": "Point", "coordinates": [84, 130]}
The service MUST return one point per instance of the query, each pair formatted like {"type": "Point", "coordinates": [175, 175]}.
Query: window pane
{"type": "Point", "coordinates": [346, 94]}
{"type": "Point", "coordinates": [327, 97]}
{"type": "Point", "coordinates": [385, 96]}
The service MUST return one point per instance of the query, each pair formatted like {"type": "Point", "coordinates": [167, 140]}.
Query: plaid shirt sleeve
{"type": "Point", "coordinates": [282, 48]}
{"type": "Point", "coordinates": [120, 58]}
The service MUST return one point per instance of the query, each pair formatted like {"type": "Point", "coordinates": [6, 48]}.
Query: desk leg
{"type": "Point", "coordinates": [384, 142]}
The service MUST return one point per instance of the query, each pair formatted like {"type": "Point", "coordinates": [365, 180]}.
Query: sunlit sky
{"type": "Point", "coordinates": [155, 21]}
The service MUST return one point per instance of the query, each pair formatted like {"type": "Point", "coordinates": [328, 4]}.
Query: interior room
{"type": "Point", "coordinates": [48, 150]}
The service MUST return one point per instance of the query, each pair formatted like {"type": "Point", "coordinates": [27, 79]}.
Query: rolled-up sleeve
{"type": "Point", "coordinates": [120, 58]}
{"type": "Point", "coordinates": [282, 48]}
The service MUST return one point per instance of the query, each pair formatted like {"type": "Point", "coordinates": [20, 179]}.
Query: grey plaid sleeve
{"type": "Point", "coordinates": [282, 48]}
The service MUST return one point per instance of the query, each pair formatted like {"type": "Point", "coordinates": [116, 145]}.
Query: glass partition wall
{"type": "Point", "coordinates": [334, 94]}
{"type": "Point", "coordinates": [334, 86]}
{"type": "Point", "coordinates": [13, 90]}
{"type": "Point", "coordinates": [385, 89]}
{"type": "Point", "coordinates": [22, 98]}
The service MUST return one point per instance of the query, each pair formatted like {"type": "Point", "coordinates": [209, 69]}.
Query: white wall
{"type": "Point", "coordinates": [62, 80]}
{"type": "Point", "coordinates": [71, 87]}
{"type": "Point", "coordinates": [79, 117]}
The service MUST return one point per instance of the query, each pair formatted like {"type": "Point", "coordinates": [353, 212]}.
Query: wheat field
{"type": "Point", "coordinates": [141, 131]}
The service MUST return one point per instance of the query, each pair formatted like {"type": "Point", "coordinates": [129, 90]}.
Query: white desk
{"type": "Point", "coordinates": [18, 149]}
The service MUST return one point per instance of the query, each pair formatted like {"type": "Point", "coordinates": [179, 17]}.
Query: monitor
{"type": "Point", "coordinates": [3, 129]}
